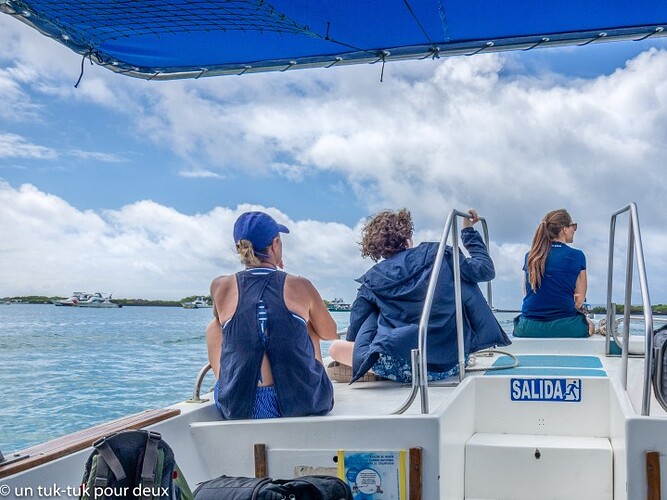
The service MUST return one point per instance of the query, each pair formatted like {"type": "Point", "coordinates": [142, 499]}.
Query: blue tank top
{"type": "Point", "coordinates": [302, 385]}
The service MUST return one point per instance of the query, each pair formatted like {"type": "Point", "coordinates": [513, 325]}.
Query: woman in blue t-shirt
{"type": "Point", "coordinates": [555, 282]}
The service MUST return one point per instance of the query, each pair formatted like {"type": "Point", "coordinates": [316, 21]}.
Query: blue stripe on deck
{"type": "Point", "coordinates": [550, 365]}
{"type": "Point", "coordinates": [560, 372]}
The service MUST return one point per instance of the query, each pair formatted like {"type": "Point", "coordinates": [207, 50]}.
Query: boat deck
{"type": "Point", "coordinates": [466, 424]}
{"type": "Point", "coordinates": [586, 359]}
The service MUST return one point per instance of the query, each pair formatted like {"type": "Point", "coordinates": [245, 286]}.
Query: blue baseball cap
{"type": "Point", "coordinates": [258, 228]}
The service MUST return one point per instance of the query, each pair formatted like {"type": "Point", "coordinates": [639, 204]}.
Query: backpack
{"type": "Point", "coordinates": [660, 344]}
{"type": "Point", "coordinates": [314, 487]}
{"type": "Point", "coordinates": [134, 464]}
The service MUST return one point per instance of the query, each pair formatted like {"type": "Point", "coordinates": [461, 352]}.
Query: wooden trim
{"type": "Point", "coordinates": [415, 474]}
{"type": "Point", "coordinates": [260, 460]}
{"type": "Point", "coordinates": [653, 475]}
{"type": "Point", "coordinates": [71, 443]}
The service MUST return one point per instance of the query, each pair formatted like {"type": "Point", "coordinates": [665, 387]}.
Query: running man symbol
{"type": "Point", "coordinates": [572, 390]}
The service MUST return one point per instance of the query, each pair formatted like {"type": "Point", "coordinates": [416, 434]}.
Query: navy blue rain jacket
{"type": "Point", "coordinates": [385, 315]}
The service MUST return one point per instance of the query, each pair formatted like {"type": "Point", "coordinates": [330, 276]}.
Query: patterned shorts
{"type": "Point", "coordinates": [397, 369]}
{"type": "Point", "coordinates": [266, 401]}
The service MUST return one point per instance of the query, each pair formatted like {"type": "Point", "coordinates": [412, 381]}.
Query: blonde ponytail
{"type": "Point", "coordinates": [247, 254]}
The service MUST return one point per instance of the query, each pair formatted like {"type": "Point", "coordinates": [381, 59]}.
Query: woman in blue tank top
{"type": "Point", "coordinates": [263, 344]}
{"type": "Point", "coordinates": [555, 282]}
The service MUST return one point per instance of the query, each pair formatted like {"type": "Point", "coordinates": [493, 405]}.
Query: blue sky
{"type": "Point", "coordinates": [131, 186]}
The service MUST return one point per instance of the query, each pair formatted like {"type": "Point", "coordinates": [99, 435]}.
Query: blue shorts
{"type": "Point", "coordinates": [266, 401]}
{"type": "Point", "coordinates": [400, 370]}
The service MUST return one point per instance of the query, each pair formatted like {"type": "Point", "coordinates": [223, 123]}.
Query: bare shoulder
{"type": "Point", "coordinates": [222, 281]}
{"type": "Point", "coordinates": [297, 280]}
{"type": "Point", "coordinates": [299, 284]}
{"type": "Point", "coordinates": [300, 290]}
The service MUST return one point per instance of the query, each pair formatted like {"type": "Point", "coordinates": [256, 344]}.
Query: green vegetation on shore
{"type": "Point", "coordinates": [620, 308]}
{"type": "Point", "coordinates": [658, 309]}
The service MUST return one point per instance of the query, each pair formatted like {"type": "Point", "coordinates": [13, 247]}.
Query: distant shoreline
{"type": "Point", "coordinates": [658, 309]}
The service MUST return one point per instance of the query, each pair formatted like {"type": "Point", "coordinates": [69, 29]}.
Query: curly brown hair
{"type": "Point", "coordinates": [386, 233]}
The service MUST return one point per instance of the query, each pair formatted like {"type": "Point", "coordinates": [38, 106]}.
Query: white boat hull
{"type": "Point", "coordinates": [479, 414]}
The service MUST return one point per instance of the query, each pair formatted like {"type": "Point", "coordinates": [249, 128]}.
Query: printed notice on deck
{"type": "Point", "coordinates": [373, 475]}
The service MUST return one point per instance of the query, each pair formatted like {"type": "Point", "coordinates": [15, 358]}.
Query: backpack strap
{"type": "Point", "coordinates": [148, 467]}
{"type": "Point", "coordinates": [107, 459]}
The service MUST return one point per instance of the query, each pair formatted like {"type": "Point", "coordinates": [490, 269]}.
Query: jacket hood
{"type": "Point", "coordinates": [403, 274]}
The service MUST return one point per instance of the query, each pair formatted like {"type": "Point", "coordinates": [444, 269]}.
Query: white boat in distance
{"type": "Point", "coordinates": [198, 303]}
{"type": "Point", "coordinates": [98, 300]}
{"type": "Point", "coordinates": [338, 305]}
{"type": "Point", "coordinates": [73, 300]}
{"type": "Point", "coordinates": [82, 299]}
{"type": "Point", "coordinates": [546, 418]}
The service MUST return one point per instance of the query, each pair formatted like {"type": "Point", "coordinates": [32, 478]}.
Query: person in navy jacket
{"type": "Point", "coordinates": [385, 315]}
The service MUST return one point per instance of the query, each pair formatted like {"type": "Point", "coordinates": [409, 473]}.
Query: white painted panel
{"type": "Point", "coordinates": [497, 413]}
{"type": "Point", "coordinates": [228, 447]}
{"type": "Point", "coordinates": [531, 467]}
{"type": "Point", "coordinates": [645, 434]}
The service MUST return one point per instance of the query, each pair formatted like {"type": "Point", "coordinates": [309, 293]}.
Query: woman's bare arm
{"type": "Point", "coordinates": [580, 289]}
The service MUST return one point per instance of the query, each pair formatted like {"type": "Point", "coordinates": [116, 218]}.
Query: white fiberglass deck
{"type": "Point", "coordinates": [467, 424]}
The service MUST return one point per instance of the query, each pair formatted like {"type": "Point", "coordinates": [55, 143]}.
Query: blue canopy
{"type": "Point", "coordinates": [166, 39]}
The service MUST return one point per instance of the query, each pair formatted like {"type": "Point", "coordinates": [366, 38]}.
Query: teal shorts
{"type": "Point", "coordinates": [572, 327]}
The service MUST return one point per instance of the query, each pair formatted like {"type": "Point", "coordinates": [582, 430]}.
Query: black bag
{"type": "Point", "coordinates": [133, 465]}
{"type": "Point", "coordinates": [660, 343]}
{"type": "Point", "coordinates": [312, 487]}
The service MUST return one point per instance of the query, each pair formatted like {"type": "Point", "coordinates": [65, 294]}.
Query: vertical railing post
{"type": "Point", "coordinates": [426, 312]}
{"type": "Point", "coordinates": [648, 312]}
{"type": "Point", "coordinates": [419, 356]}
{"type": "Point", "coordinates": [611, 308]}
{"type": "Point", "coordinates": [635, 251]}
{"type": "Point", "coordinates": [627, 305]}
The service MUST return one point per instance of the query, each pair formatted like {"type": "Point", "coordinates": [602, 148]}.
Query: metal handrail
{"type": "Point", "coordinates": [634, 249]}
{"type": "Point", "coordinates": [196, 391]}
{"type": "Point", "coordinates": [419, 355]}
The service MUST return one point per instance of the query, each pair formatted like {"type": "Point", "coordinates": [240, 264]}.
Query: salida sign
{"type": "Point", "coordinates": [546, 389]}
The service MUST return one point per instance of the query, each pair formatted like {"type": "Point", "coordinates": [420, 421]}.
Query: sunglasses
{"type": "Point", "coordinates": [574, 225]}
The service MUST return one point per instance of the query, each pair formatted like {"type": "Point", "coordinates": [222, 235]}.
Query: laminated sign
{"type": "Point", "coordinates": [373, 475]}
{"type": "Point", "coordinates": [546, 389]}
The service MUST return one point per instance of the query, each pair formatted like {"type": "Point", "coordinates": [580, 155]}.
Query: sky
{"type": "Point", "coordinates": [132, 187]}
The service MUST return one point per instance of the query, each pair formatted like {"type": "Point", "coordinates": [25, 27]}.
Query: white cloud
{"type": "Point", "coordinates": [448, 139]}
{"type": "Point", "coordinates": [463, 132]}
{"type": "Point", "coordinates": [15, 146]}
{"type": "Point", "coordinates": [200, 174]}
{"type": "Point", "coordinates": [96, 156]}
{"type": "Point", "coordinates": [149, 250]}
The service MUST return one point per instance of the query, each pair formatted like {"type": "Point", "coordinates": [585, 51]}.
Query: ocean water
{"type": "Point", "coordinates": [63, 369]}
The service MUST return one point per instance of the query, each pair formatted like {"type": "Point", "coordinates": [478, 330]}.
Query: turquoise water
{"type": "Point", "coordinates": [63, 369]}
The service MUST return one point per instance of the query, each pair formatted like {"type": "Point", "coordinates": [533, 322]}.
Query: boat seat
{"type": "Point", "coordinates": [65, 445]}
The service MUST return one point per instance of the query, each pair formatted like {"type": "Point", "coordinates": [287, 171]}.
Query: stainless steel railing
{"type": "Point", "coordinates": [635, 251]}
{"type": "Point", "coordinates": [196, 391]}
{"type": "Point", "coordinates": [419, 355]}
